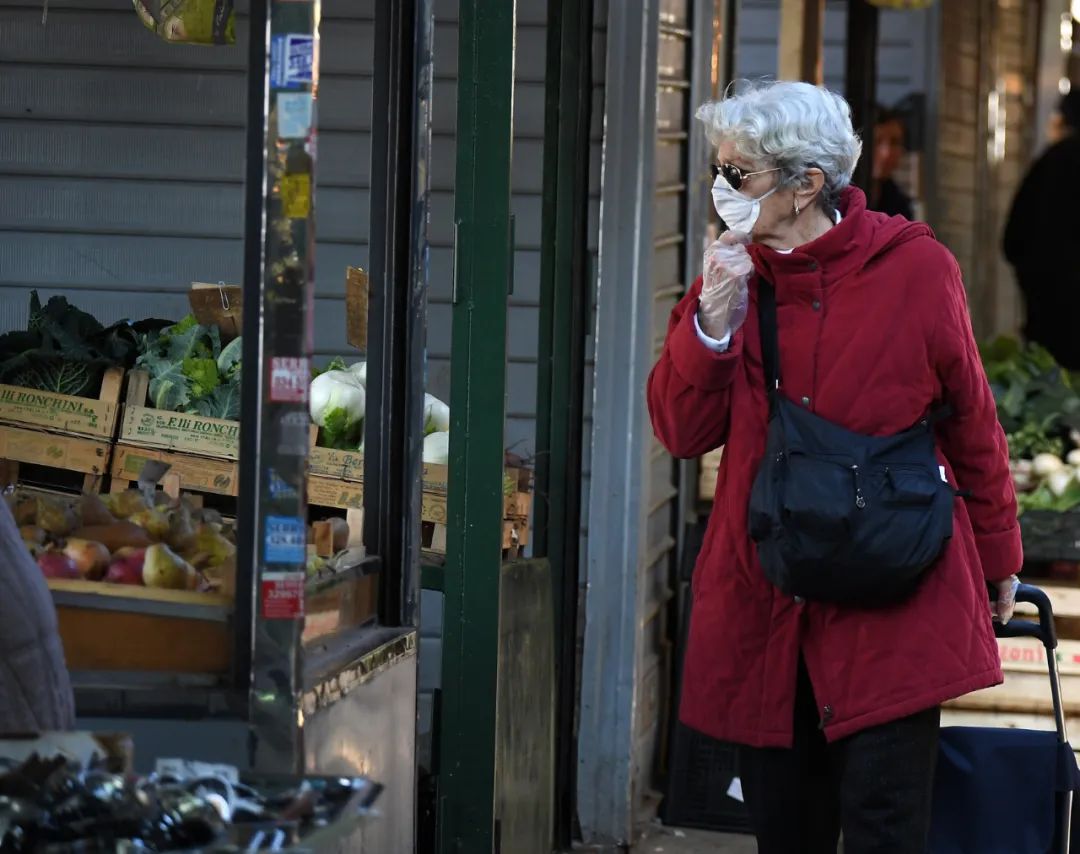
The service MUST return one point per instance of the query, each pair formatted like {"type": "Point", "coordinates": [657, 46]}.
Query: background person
{"type": "Point", "coordinates": [890, 145]}
{"type": "Point", "coordinates": [1041, 234]}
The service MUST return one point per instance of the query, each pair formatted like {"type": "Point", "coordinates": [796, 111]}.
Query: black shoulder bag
{"type": "Point", "coordinates": [839, 516]}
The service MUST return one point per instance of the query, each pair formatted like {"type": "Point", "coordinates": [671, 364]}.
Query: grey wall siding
{"type": "Point", "coordinates": [527, 186]}
{"type": "Point", "coordinates": [122, 161]}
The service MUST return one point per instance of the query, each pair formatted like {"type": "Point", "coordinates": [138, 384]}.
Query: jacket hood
{"type": "Point", "coordinates": [859, 237]}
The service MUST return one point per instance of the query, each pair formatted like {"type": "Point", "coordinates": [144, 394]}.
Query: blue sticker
{"type": "Point", "coordinates": [292, 61]}
{"type": "Point", "coordinates": [280, 490]}
{"type": "Point", "coordinates": [286, 540]}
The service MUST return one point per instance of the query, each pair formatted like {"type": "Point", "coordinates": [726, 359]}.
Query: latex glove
{"type": "Point", "coordinates": [725, 293]}
{"type": "Point", "coordinates": [1005, 604]}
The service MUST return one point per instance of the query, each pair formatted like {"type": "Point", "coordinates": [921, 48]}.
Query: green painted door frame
{"type": "Point", "coordinates": [564, 311]}
{"type": "Point", "coordinates": [483, 270]}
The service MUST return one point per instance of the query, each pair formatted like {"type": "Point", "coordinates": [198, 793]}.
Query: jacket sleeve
{"type": "Point", "coordinates": [690, 388]}
{"type": "Point", "coordinates": [972, 439]}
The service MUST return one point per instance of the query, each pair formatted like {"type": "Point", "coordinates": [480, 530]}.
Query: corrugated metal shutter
{"type": "Point", "coordinates": [122, 161]}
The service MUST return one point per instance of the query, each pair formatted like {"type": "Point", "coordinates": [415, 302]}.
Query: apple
{"type": "Point", "coordinates": [57, 565]}
{"type": "Point", "coordinates": [126, 567]}
{"type": "Point", "coordinates": [90, 558]}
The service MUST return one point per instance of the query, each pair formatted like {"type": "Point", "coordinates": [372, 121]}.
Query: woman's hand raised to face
{"type": "Point", "coordinates": [725, 295]}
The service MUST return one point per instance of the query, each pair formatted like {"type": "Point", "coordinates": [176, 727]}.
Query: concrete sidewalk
{"type": "Point", "coordinates": [670, 840]}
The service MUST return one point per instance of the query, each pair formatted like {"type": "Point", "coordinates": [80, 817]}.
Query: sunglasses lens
{"type": "Point", "coordinates": [732, 175]}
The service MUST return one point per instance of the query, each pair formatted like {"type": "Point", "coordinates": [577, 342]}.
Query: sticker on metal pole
{"type": "Point", "coordinates": [296, 196]}
{"type": "Point", "coordinates": [282, 595]}
{"type": "Point", "coordinates": [292, 60]}
{"type": "Point", "coordinates": [289, 379]}
{"type": "Point", "coordinates": [294, 434]}
{"type": "Point", "coordinates": [286, 540]}
{"type": "Point", "coordinates": [294, 115]}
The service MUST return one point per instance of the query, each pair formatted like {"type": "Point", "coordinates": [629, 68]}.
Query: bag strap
{"type": "Point", "coordinates": [770, 341]}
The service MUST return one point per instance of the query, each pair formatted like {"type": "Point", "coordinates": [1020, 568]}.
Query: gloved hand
{"type": "Point", "coordinates": [725, 295]}
{"type": "Point", "coordinates": [1006, 599]}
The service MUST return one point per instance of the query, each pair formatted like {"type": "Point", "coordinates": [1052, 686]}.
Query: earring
{"type": "Point", "coordinates": [797, 209]}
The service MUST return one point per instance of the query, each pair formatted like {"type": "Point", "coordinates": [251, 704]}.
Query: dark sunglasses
{"type": "Point", "coordinates": [734, 175]}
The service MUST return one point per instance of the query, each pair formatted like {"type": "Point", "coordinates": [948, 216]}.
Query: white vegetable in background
{"type": "Point", "coordinates": [1045, 465]}
{"type": "Point", "coordinates": [1059, 481]}
{"type": "Point", "coordinates": [1073, 458]}
{"type": "Point", "coordinates": [359, 370]}
{"type": "Point", "coordinates": [436, 415]}
{"type": "Point", "coordinates": [334, 391]}
{"type": "Point", "coordinates": [1022, 466]}
{"type": "Point", "coordinates": [437, 449]}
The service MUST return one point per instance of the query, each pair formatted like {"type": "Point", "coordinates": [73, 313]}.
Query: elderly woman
{"type": "Point", "coordinates": [842, 591]}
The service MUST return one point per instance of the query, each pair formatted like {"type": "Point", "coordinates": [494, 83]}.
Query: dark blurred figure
{"type": "Point", "coordinates": [889, 146]}
{"type": "Point", "coordinates": [1041, 238]}
{"type": "Point", "coordinates": [35, 688]}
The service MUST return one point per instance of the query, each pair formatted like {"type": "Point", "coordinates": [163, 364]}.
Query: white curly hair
{"type": "Point", "coordinates": [791, 126]}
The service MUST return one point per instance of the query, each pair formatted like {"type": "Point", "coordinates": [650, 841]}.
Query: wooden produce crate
{"type": "Point", "coordinates": [119, 628]}
{"type": "Point", "coordinates": [190, 473]}
{"type": "Point", "coordinates": [145, 427]}
{"type": "Point", "coordinates": [61, 436]}
{"type": "Point", "coordinates": [517, 492]}
{"type": "Point", "coordinates": [1027, 684]}
{"type": "Point", "coordinates": [709, 465]}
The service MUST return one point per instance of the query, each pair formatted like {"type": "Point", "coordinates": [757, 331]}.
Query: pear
{"type": "Point", "coordinates": [165, 569]}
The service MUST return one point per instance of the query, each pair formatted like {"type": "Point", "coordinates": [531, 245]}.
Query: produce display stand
{"type": "Point", "coordinates": [288, 671]}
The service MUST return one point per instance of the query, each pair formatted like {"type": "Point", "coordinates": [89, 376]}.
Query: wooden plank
{"type": "Point", "coordinates": [1003, 720]}
{"type": "Point", "coordinates": [802, 24]}
{"type": "Point", "coordinates": [80, 416]}
{"type": "Point", "coordinates": [518, 505]}
{"type": "Point", "coordinates": [129, 641]}
{"type": "Point", "coordinates": [342, 465]}
{"type": "Point", "coordinates": [1064, 599]}
{"type": "Point", "coordinates": [329, 492]}
{"type": "Point", "coordinates": [102, 593]}
{"type": "Point", "coordinates": [349, 495]}
{"type": "Point", "coordinates": [179, 431]}
{"type": "Point", "coordinates": [198, 474]}
{"type": "Point", "coordinates": [49, 449]}
{"type": "Point", "coordinates": [1027, 682]}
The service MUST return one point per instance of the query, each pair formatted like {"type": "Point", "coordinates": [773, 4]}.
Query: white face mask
{"type": "Point", "coordinates": [738, 212]}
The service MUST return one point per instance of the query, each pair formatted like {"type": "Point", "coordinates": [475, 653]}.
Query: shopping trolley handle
{"type": "Point", "coordinates": [1043, 630]}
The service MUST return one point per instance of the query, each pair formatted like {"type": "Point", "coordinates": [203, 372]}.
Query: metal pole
{"type": "Point", "coordinates": [621, 435]}
{"type": "Point", "coordinates": [278, 295]}
{"type": "Point", "coordinates": [861, 81]}
{"type": "Point", "coordinates": [400, 140]}
{"type": "Point", "coordinates": [564, 309]}
{"type": "Point", "coordinates": [482, 277]}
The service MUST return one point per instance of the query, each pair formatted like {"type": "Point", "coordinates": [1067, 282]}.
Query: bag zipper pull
{"type": "Point", "coordinates": [860, 500]}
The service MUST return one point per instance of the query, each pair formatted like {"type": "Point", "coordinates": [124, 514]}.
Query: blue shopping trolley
{"type": "Point", "coordinates": [1008, 791]}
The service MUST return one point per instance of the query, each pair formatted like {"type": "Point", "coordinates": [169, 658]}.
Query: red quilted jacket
{"type": "Point", "coordinates": [874, 328]}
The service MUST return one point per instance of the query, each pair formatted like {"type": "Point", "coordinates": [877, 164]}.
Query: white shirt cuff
{"type": "Point", "coordinates": [717, 346]}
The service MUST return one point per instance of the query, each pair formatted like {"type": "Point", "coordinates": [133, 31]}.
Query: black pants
{"type": "Point", "coordinates": [876, 785]}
